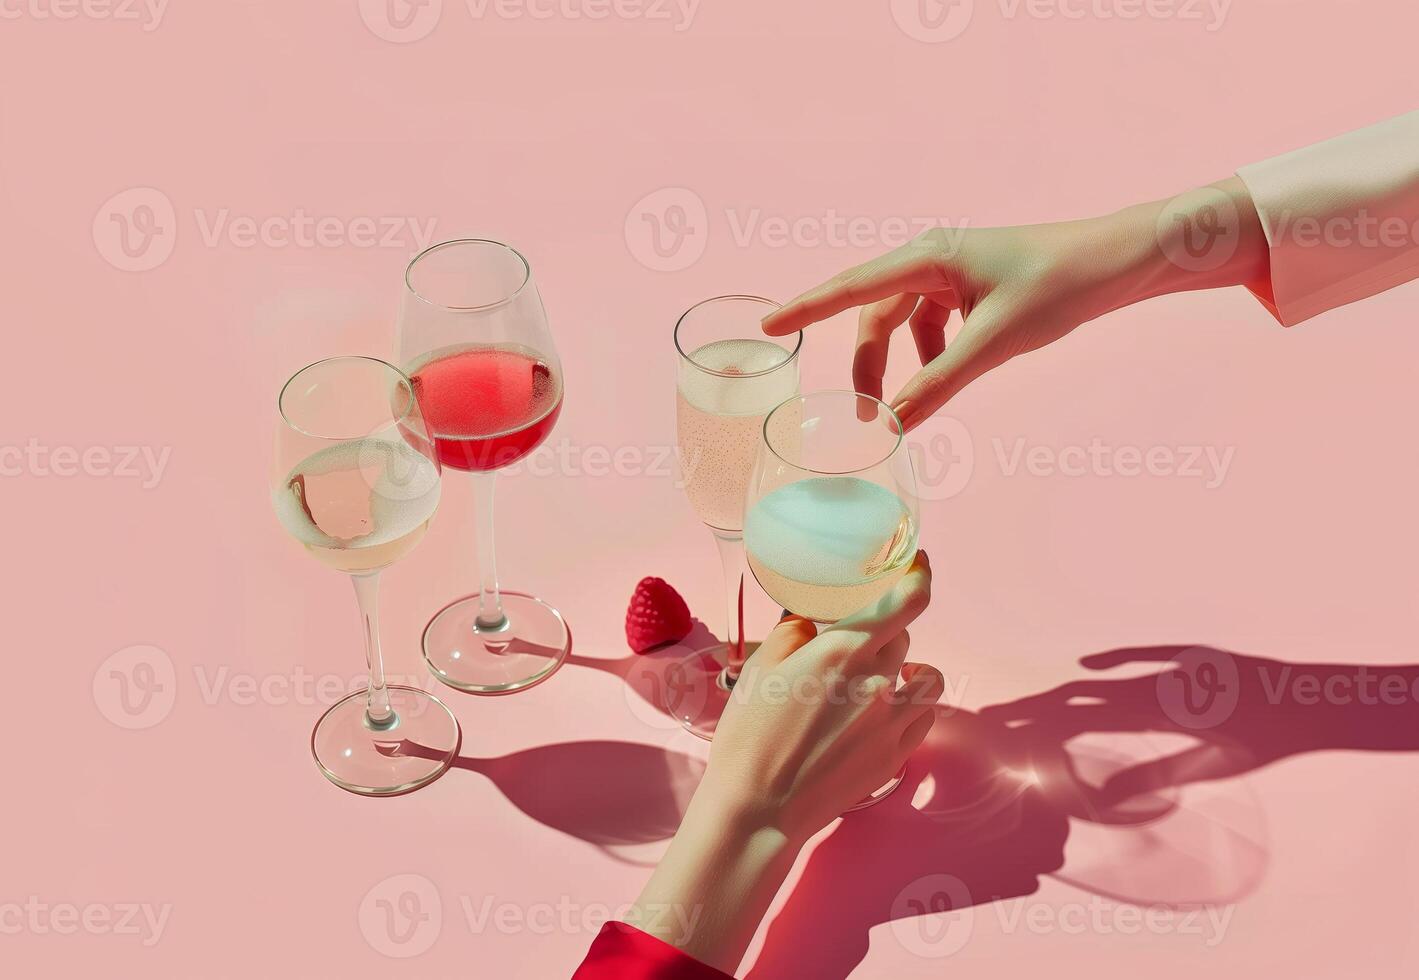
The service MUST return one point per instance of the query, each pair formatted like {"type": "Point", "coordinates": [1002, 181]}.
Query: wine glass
{"type": "Point", "coordinates": [474, 339]}
{"type": "Point", "coordinates": [729, 377]}
{"type": "Point", "coordinates": [831, 516]}
{"type": "Point", "coordinates": [356, 482]}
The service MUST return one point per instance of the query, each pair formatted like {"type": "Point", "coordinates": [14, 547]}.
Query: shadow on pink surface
{"type": "Point", "coordinates": [666, 678]}
{"type": "Point", "coordinates": [1056, 784]}
{"type": "Point", "coordinates": [611, 794]}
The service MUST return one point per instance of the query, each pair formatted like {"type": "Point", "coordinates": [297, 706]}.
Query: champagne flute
{"type": "Point", "coordinates": [474, 339]}
{"type": "Point", "coordinates": [729, 377]}
{"type": "Point", "coordinates": [356, 482]}
{"type": "Point", "coordinates": [831, 517]}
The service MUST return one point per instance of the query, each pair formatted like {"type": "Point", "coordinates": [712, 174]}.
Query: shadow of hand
{"type": "Point", "coordinates": [1242, 712]}
{"type": "Point", "coordinates": [962, 829]}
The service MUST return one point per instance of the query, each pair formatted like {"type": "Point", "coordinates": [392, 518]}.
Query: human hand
{"type": "Point", "coordinates": [817, 721]}
{"type": "Point", "coordinates": [1018, 289]}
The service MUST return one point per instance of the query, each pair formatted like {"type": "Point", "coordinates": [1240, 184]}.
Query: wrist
{"type": "Point", "coordinates": [740, 820]}
{"type": "Point", "coordinates": [1202, 239]}
{"type": "Point", "coordinates": [716, 880]}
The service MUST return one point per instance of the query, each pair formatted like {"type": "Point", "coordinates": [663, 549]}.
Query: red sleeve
{"type": "Point", "coordinates": [622, 952]}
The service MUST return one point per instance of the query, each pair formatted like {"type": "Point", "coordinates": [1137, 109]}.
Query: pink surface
{"type": "Point", "coordinates": [644, 161]}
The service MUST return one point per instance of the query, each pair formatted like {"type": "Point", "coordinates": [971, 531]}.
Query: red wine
{"type": "Point", "coordinates": [487, 406]}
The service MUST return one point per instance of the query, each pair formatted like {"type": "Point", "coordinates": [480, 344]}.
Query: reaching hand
{"type": "Point", "coordinates": [1018, 289]}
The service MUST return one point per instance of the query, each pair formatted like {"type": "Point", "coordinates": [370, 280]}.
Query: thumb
{"type": "Point", "coordinates": [978, 348]}
{"type": "Point", "coordinates": [791, 634]}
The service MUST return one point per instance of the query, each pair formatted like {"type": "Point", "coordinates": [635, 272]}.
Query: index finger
{"type": "Point", "coordinates": [908, 269]}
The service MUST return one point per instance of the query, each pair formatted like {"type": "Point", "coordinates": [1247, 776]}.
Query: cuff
{"type": "Point", "coordinates": [1341, 218]}
{"type": "Point", "coordinates": [623, 952]}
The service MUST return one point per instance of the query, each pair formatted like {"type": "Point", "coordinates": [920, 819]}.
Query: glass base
{"type": "Point", "coordinates": [695, 691]}
{"type": "Point", "coordinates": [358, 757]}
{"type": "Point", "coordinates": [880, 794]}
{"type": "Point", "coordinates": [532, 642]}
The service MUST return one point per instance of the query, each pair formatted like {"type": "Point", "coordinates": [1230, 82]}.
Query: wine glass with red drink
{"type": "Point", "coordinates": [474, 340]}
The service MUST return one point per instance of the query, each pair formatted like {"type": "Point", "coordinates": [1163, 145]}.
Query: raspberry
{"type": "Point", "coordinates": [656, 616]}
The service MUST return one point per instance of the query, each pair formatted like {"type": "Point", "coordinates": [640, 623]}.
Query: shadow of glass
{"type": "Point", "coordinates": [612, 794]}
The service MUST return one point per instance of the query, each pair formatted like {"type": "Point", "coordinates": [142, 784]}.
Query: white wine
{"type": "Point", "coordinates": [359, 505]}
{"type": "Point", "coordinates": [827, 546]}
{"type": "Point", "coordinates": [720, 419]}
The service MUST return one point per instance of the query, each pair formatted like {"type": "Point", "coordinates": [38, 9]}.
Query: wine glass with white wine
{"type": "Point", "coordinates": [355, 481]}
{"type": "Point", "coordinates": [831, 518]}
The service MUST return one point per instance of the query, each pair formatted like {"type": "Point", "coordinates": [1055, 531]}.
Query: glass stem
{"type": "Point", "coordinates": [490, 604]}
{"type": "Point", "coordinates": [731, 556]}
{"type": "Point", "coordinates": [379, 715]}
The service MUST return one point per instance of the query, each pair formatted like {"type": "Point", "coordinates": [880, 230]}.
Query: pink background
{"type": "Point", "coordinates": [550, 133]}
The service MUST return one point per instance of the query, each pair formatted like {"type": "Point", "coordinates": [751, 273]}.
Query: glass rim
{"type": "Point", "coordinates": [804, 396]}
{"type": "Point", "coordinates": [409, 272]}
{"type": "Point", "coordinates": [398, 374]}
{"type": "Point", "coordinates": [729, 374]}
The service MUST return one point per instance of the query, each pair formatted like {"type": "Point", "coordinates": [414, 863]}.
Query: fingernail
{"type": "Point", "coordinates": [785, 617]}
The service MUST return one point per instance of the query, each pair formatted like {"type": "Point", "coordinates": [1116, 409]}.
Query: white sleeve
{"type": "Point", "coordinates": [1341, 218]}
